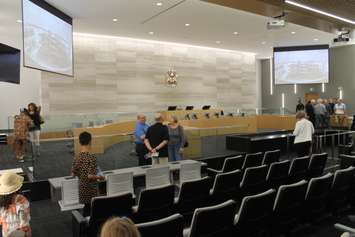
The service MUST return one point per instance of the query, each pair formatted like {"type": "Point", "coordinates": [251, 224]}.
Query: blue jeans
{"type": "Point", "coordinates": [174, 152]}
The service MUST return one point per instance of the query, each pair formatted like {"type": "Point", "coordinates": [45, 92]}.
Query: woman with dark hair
{"type": "Point", "coordinates": [85, 168]}
{"type": "Point", "coordinates": [14, 208]}
{"type": "Point", "coordinates": [35, 130]}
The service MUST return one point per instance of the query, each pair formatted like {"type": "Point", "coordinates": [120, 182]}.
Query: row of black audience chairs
{"type": "Point", "coordinates": [160, 202]}
{"type": "Point", "coordinates": [266, 214]}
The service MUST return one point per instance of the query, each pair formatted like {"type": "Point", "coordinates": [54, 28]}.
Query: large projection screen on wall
{"type": "Point", "coordinates": [47, 38]}
{"type": "Point", "coordinates": [301, 64]}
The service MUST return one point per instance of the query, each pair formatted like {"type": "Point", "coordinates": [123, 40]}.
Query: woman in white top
{"type": "Point", "coordinates": [303, 135]}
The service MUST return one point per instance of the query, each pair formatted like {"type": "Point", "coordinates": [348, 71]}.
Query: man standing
{"type": "Point", "coordinates": [310, 111]}
{"type": "Point", "coordinates": [300, 106]}
{"type": "Point", "coordinates": [156, 141]}
{"type": "Point", "coordinates": [21, 124]}
{"type": "Point", "coordinates": [320, 111]}
{"type": "Point", "coordinates": [340, 112]}
{"type": "Point", "coordinates": [139, 136]}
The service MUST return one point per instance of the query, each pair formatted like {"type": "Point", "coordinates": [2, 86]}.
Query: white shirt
{"type": "Point", "coordinates": [303, 131]}
{"type": "Point", "coordinates": [339, 108]}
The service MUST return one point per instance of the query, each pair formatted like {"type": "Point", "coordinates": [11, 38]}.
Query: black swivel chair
{"type": "Point", "coordinates": [172, 226]}
{"type": "Point", "coordinates": [317, 165]}
{"type": "Point", "coordinates": [254, 181]}
{"type": "Point", "coordinates": [154, 203]}
{"type": "Point", "coordinates": [289, 207]}
{"type": "Point", "coordinates": [278, 174]}
{"type": "Point", "coordinates": [255, 215]}
{"type": "Point", "coordinates": [317, 196]}
{"type": "Point", "coordinates": [230, 164]}
{"type": "Point", "coordinates": [253, 160]}
{"type": "Point", "coordinates": [102, 208]}
{"type": "Point", "coordinates": [298, 169]}
{"type": "Point", "coordinates": [226, 186]}
{"type": "Point", "coordinates": [213, 221]}
{"type": "Point", "coordinates": [271, 157]}
{"type": "Point", "coordinates": [193, 194]}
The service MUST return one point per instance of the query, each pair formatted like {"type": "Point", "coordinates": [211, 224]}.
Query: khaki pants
{"type": "Point", "coordinates": [160, 160]}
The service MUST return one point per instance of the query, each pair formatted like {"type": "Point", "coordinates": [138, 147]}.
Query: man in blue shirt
{"type": "Point", "coordinates": [139, 136]}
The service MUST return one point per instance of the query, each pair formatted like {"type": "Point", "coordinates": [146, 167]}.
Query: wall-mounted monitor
{"type": "Point", "coordinates": [10, 60]}
{"type": "Point", "coordinates": [301, 64]}
{"type": "Point", "coordinates": [47, 38]}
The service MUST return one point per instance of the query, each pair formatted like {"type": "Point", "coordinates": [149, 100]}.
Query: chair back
{"type": "Point", "coordinates": [289, 206]}
{"type": "Point", "coordinates": [346, 161]}
{"type": "Point", "coordinates": [254, 180]}
{"type": "Point", "coordinates": [253, 160]}
{"type": "Point", "coordinates": [271, 157]}
{"type": "Point", "coordinates": [157, 176]}
{"type": "Point", "coordinates": [193, 194]}
{"type": "Point", "coordinates": [171, 226]}
{"type": "Point", "coordinates": [190, 171]}
{"type": "Point", "coordinates": [298, 169]}
{"type": "Point", "coordinates": [226, 186]}
{"type": "Point", "coordinates": [254, 215]}
{"type": "Point", "coordinates": [70, 191]}
{"type": "Point", "coordinates": [316, 165]}
{"type": "Point", "coordinates": [102, 208]}
{"type": "Point", "coordinates": [119, 183]}
{"type": "Point", "coordinates": [213, 221]}
{"type": "Point", "coordinates": [278, 174]}
{"type": "Point", "coordinates": [233, 163]}
{"type": "Point", "coordinates": [317, 194]}
{"type": "Point", "coordinates": [155, 203]}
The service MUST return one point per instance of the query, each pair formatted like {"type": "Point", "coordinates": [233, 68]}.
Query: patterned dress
{"type": "Point", "coordinates": [16, 217]}
{"type": "Point", "coordinates": [83, 165]}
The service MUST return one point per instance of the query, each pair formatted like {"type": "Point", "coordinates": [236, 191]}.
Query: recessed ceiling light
{"type": "Point", "coordinates": [263, 42]}
{"type": "Point", "coordinates": [114, 19]}
{"type": "Point", "coordinates": [159, 4]}
{"type": "Point", "coordinates": [315, 39]}
{"type": "Point", "coordinates": [19, 21]}
{"type": "Point", "coordinates": [235, 32]}
{"type": "Point", "coordinates": [218, 42]}
{"type": "Point", "coordinates": [293, 32]}
{"type": "Point", "coordinates": [151, 32]}
{"type": "Point", "coordinates": [187, 24]}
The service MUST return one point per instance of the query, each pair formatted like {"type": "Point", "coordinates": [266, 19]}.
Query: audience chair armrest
{"type": "Point", "coordinates": [212, 172]}
{"type": "Point", "coordinates": [79, 224]}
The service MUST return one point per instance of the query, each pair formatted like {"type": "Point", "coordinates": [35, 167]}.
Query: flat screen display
{"type": "Point", "coordinates": [47, 38]}
{"type": "Point", "coordinates": [301, 64]}
{"type": "Point", "coordinates": [10, 60]}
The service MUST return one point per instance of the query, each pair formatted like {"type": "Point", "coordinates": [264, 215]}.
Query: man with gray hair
{"type": "Point", "coordinates": [320, 112]}
{"type": "Point", "coordinates": [156, 141]}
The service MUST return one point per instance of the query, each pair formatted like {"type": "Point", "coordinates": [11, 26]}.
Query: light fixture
{"type": "Point", "coordinates": [263, 42]}
{"type": "Point", "coordinates": [114, 19]}
{"type": "Point", "coordinates": [295, 88]}
{"type": "Point", "coordinates": [319, 11]}
{"type": "Point", "coordinates": [271, 77]}
{"type": "Point", "coordinates": [340, 92]}
{"type": "Point", "coordinates": [218, 42]}
{"type": "Point", "coordinates": [323, 87]}
{"type": "Point", "coordinates": [293, 32]}
{"type": "Point", "coordinates": [187, 24]}
{"type": "Point", "coordinates": [19, 21]}
{"type": "Point", "coordinates": [235, 32]}
{"type": "Point", "coordinates": [151, 32]}
{"type": "Point", "coordinates": [315, 39]}
{"type": "Point", "coordinates": [159, 4]}
{"type": "Point", "coordinates": [283, 100]}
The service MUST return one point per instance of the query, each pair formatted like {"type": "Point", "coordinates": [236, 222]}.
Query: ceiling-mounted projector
{"type": "Point", "coordinates": [275, 23]}
{"type": "Point", "coordinates": [343, 36]}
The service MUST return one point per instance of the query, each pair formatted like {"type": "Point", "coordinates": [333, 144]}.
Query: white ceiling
{"type": "Point", "coordinates": [208, 23]}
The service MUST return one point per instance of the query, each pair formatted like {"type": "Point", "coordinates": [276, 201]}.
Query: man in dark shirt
{"type": "Point", "coordinates": [300, 106]}
{"type": "Point", "coordinates": [310, 111]}
{"type": "Point", "coordinates": [156, 140]}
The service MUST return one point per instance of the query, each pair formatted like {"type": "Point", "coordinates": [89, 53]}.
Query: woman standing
{"type": "Point", "coordinates": [14, 208]}
{"type": "Point", "coordinates": [176, 140]}
{"type": "Point", "coordinates": [85, 168]}
{"type": "Point", "coordinates": [35, 129]}
{"type": "Point", "coordinates": [303, 135]}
